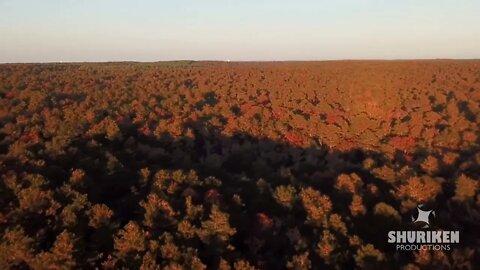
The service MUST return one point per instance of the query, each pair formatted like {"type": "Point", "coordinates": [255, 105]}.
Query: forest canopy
{"type": "Point", "coordinates": [196, 165]}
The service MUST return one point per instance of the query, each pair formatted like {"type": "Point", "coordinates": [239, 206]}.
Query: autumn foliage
{"type": "Point", "coordinates": [205, 165]}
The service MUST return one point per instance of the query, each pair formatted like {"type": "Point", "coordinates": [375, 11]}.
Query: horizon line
{"type": "Point", "coordinates": [243, 61]}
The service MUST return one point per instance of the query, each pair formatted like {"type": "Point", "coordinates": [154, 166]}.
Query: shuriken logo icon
{"type": "Point", "coordinates": [423, 216]}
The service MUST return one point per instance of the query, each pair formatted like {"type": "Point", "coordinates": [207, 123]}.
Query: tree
{"type": "Point", "coordinates": [130, 240]}
{"type": "Point", "coordinates": [465, 188]}
{"type": "Point", "coordinates": [316, 205]}
{"type": "Point", "coordinates": [216, 227]}
{"type": "Point", "coordinates": [60, 256]}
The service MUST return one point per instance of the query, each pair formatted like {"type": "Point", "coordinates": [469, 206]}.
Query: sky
{"type": "Point", "coordinates": [237, 30]}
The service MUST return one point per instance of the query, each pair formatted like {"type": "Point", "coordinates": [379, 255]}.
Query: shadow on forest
{"type": "Point", "coordinates": [239, 161]}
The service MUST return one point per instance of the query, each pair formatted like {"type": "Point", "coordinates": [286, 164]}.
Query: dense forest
{"type": "Point", "coordinates": [213, 165]}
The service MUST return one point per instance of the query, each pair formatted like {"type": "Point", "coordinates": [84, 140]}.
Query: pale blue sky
{"type": "Point", "coordinates": [117, 30]}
